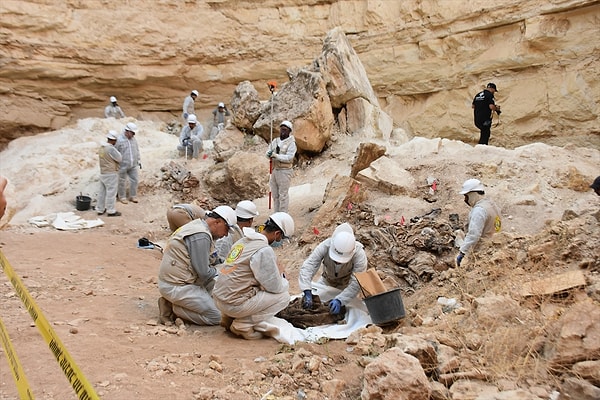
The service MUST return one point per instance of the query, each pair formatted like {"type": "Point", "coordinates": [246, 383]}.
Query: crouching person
{"type": "Point", "coordinates": [185, 277]}
{"type": "Point", "coordinates": [251, 288]}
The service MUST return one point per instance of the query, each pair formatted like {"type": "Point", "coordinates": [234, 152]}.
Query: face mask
{"type": "Point", "coordinates": [276, 243]}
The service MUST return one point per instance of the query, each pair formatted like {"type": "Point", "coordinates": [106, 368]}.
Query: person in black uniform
{"type": "Point", "coordinates": [483, 106]}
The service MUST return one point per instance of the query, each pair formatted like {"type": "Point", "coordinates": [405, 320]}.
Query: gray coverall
{"type": "Point", "coordinates": [484, 221]}
{"type": "Point", "coordinates": [129, 164]}
{"type": "Point", "coordinates": [188, 107]}
{"type": "Point", "coordinates": [113, 111]}
{"type": "Point", "coordinates": [250, 287]}
{"type": "Point", "coordinates": [109, 158]}
{"type": "Point", "coordinates": [191, 139]}
{"type": "Point", "coordinates": [281, 177]}
{"type": "Point", "coordinates": [340, 276]}
{"type": "Point", "coordinates": [185, 277]}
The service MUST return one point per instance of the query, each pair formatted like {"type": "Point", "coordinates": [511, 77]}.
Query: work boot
{"type": "Point", "coordinates": [247, 333]}
{"type": "Point", "coordinates": [226, 322]}
{"type": "Point", "coordinates": [124, 201]}
{"type": "Point", "coordinates": [133, 199]}
{"type": "Point", "coordinates": [165, 311]}
{"type": "Point", "coordinates": [115, 214]}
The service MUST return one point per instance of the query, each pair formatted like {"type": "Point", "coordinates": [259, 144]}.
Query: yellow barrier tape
{"type": "Point", "coordinates": [15, 365]}
{"type": "Point", "coordinates": [79, 383]}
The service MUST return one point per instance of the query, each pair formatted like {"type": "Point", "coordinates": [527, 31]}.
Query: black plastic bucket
{"type": "Point", "coordinates": [82, 203]}
{"type": "Point", "coordinates": [385, 307]}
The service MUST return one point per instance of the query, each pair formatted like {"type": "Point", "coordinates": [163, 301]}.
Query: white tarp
{"type": "Point", "coordinates": [357, 317]}
{"type": "Point", "coordinates": [66, 221]}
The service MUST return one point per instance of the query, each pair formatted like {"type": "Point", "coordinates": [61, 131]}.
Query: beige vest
{"type": "Point", "coordinates": [283, 148]}
{"type": "Point", "coordinates": [107, 163]}
{"type": "Point", "coordinates": [176, 265]}
{"type": "Point", "coordinates": [236, 282]}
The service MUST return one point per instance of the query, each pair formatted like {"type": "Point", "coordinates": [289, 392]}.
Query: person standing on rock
{"type": "Point", "coordinates": [245, 211]}
{"type": "Point", "coordinates": [190, 138]}
{"type": "Point", "coordinates": [181, 214]}
{"type": "Point", "coordinates": [282, 151]}
{"type": "Point", "coordinates": [342, 257]}
{"type": "Point", "coordinates": [252, 287]}
{"type": "Point", "coordinates": [113, 110]}
{"type": "Point", "coordinates": [188, 105]}
{"type": "Point", "coordinates": [484, 218]}
{"type": "Point", "coordinates": [185, 277]}
{"type": "Point", "coordinates": [219, 119]}
{"type": "Point", "coordinates": [128, 170]}
{"type": "Point", "coordinates": [596, 185]}
{"type": "Point", "coordinates": [483, 105]}
{"type": "Point", "coordinates": [109, 158]}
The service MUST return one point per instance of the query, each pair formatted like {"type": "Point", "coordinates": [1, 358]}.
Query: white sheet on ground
{"type": "Point", "coordinates": [65, 221]}
{"type": "Point", "coordinates": [357, 317]}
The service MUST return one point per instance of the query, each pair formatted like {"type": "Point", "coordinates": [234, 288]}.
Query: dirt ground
{"type": "Point", "coordinates": [99, 292]}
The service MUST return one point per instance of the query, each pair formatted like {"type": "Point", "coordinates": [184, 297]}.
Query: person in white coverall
{"type": "Point", "coordinates": [128, 169]}
{"type": "Point", "coordinates": [188, 105]}
{"type": "Point", "coordinates": [113, 110]}
{"type": "Point", "coordinates": [109, 159]}
{"type": "Point", "coordinates": [282, 151]}
{"type": "Point", "coordinates": [341, 256]}
{"type": "Point", "coordinates": [185, 276]}
{"type": "Point", "coordinates": [245, 212]}
{"type": "Point", "coordinates": [251, 287]}
{"type": "Point", "coordinates": [484, 218]}
{"type": "Point", "coordinates": [190, 138]}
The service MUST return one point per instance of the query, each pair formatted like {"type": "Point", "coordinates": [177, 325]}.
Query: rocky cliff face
{"type": "Point", "coordinates": [425, 59]}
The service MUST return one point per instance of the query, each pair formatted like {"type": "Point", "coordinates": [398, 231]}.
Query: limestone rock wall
{"type": "Point", "coordinates": [425, 59]}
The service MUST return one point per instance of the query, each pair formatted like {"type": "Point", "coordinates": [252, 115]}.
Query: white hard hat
{"type": "Point", "coordinates": [131, 127]}
{"type": "Point", "coordinates": [191, 119]}
{"type": "Point", "coordinates": [285, 222]}
{"type": "Point", "coordinates": [195, 92]}
{"type": "Point", "coordinates": [288, 124]}
{"type": "Point", "coordinates": [113, 99]}
{"type": "Point", "coordinates": [221, 104]}
{"type": "Point", "coordinates": [227, 214]}
{"type": "Point", "coordinates": [112, 135]}
{"type": "Point", "coordinates": [246, 209]}
{"type": "Point", "coordinates": [342, 246]}
{"type": "Point", "coordinates": [472, 185]}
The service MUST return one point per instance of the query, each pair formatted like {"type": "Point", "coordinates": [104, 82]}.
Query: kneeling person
{"type": "Point", "coordinates": [251, 288]}
{"type": "Point", "coordinates": [185, 277]}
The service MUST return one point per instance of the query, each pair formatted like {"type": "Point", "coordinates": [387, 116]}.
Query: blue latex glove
{"type": "Point", "coordinates": [459, 258]}
{"type": "Point", "coordinates": [185, 115]}
{"type": "Point", "coordinates": [335, 306]}
{"type": "Point", "coordinates": [269, 153]}
{"type": "Point", "coordinates": [307, 300]}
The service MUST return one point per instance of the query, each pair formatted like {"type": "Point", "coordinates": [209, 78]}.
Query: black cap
{"type": "Point", "coordinates": [596, 184]}
{"type": "Point", "coordinates": [492, 85]}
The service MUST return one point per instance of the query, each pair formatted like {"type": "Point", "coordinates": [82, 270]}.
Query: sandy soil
{"type": "Point", "coordinates": [99, 292]}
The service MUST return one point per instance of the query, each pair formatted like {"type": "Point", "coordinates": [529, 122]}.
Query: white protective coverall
{"type": "Point", "coordinates": [340, 276]}
{"type": "Point", "coordinates": [188, 107]}
{"type": "Point", "coordinates": [129, 164]}
{"type": "Point", "coordinates": [191, 139]}
{"type": "Point", "coordinates": [113, 111]}
{"type": "Point", "coordinates": [109, 158]}
{"type": "Point", "coordinates": [281, 177]}
{"type": "Point", "coordinates": [250, 288]}
{"type": "Point", "coordinates": [185, 277]}
{"type": "Point", "coordinates": [484, 221]}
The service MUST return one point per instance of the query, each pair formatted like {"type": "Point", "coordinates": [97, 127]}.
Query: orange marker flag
{"type": "Point", "coordinates": [434, 186]}
{"type": "Point", "coordinates": [402, 220]}
{"type": "Point", "coordinates": [315, 230]}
